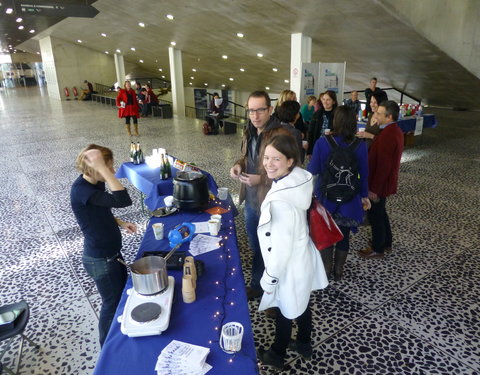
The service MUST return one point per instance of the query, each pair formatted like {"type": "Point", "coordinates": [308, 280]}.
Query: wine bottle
{"type": "Point", "coordinates": [168, 167]}
{"type": "Point", "coordinates": [140, 154]}
{"type": "Point", "coordinates": [132, 151]}
{"type": "Point", "coordinates": [162, 167]}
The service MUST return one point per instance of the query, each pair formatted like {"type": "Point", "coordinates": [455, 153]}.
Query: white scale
{"type": "Point", "coordinates": [151, 327]}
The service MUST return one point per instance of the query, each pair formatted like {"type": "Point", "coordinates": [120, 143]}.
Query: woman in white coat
{"type": "Point", "coordinates": [293, 266]}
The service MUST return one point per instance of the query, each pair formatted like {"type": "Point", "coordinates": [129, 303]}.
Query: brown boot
{"type": "Point", "coordinates": [127, 126]}
{"type": "Point", "coordinates": [135, 127]}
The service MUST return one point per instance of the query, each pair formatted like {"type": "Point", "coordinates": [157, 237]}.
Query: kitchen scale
{"type": "Point", "coordinates": [147, 315]}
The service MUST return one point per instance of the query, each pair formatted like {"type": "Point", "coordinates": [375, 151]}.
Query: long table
{"type": "Point", "coordinates": [409, 124]}
{"type": "Point", "coordinates": [221, 298]}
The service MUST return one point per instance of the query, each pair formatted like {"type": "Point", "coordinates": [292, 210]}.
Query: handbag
{"type": "Point", "coordinates": [324, 232]}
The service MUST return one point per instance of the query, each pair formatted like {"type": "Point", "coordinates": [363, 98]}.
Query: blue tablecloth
{"type": "Point", "coordinates": [221, 298]}
{"type": "Point", "coordinates": [147, 180]}
{"type": "Point", "coordinates": [408, 124]}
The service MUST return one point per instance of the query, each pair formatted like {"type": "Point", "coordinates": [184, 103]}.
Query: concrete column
{"type": "Point", "coordinates": [46, 49]}
{"type": "Point", "coordinates": [176, 77]}
{"type": "Point", "coordinates": [300, 52]}
{"type": "Point", "coordinates": [119, 68]}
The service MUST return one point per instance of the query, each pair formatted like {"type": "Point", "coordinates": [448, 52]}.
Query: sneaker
{"type": "Point", "coordinates": [304, 349]}
{"type": "Point", "coordinates": [370, 254]}
{"type": "Point", "coordinates": [270, 358]}
{"type": "Point", "coordinates": [253, 293]}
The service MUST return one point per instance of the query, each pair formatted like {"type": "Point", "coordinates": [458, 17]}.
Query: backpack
{"type": "Point", "coordinates": [340, 180]}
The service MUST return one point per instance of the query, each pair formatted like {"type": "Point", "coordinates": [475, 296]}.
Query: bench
{"type": "Point", "coordinates": [229, 126]}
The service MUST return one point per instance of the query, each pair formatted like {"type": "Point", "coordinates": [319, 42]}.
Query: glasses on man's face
{"type": "Point", "coordinates": [260, 111]}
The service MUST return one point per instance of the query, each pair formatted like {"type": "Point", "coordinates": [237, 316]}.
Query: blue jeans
{"type": "Point", "coordinates": [251, 223]}
{"type": "Point", "coordinates": [110, 277]}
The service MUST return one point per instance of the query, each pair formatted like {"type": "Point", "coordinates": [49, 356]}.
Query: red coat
{"type": "Point", "coordinates": [130, 109]}
{"type": "Point", "coordinates": [384, 161]}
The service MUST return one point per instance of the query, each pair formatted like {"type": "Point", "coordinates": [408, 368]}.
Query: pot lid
{"type": "Point", "coordinates": [188, 176]}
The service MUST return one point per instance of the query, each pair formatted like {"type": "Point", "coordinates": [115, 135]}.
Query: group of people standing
{"type": "Point", "coordinates": [277, 193]}
{"type": "Point", "coordinates": [131, 102]}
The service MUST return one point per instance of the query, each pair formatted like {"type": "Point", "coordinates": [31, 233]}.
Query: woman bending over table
{"type": "Point", "coordinates": [293, 266]}
{"type": "Point", "coordinates": [92, 206]}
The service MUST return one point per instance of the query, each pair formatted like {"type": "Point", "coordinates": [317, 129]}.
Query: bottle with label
{"type": "Point", "coordinates": [132, 152]}
{"type": "Point", "coordinates": [163, 170]}
{"type": "Point", "coordinates": [162, 167]}
{"type": "Point", "coordinates": [138, 155]}
{"type": "Point", "coordinates": [168, 167]}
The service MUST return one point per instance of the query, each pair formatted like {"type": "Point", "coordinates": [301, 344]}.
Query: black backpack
{"type": "Point", "coordinates": [340, 180]}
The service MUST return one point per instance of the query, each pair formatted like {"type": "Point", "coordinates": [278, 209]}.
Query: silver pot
{"type": "Point", "coordinates": [149, 275]}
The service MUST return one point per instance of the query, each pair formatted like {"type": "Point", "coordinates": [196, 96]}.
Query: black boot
{"type": "Point", "coordinates": [270, 358]}
{"type": "Point", "coordinates": [304, 349]}
{"type": "Point", "coordinates": [327, 259]}
{"type": "Point", "coordinates": [340, 258]}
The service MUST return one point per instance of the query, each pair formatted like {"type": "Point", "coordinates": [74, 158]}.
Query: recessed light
{"type": "Point", "coordinates": [117, 50]}
{"type": "Point", "coordinates": [79, 41]}
{"type": "Point", "coordinates": [160, 69]}
{"type": "Point", "coordinates": [224, 57]}
{"type": "Point", "coordinates": [21, 27]}
{"type": "Point", "coordinates": [223, 85]}
{"type": "Point", "coordinates": [32, 31]}
{"type": "Point", "coordinates": [259, 54]}
{"type": "Point", "coordinates": [104, 35]}
{"type": "Point", "coordinates": [206, 84]}
{"type": "Point", "coordinates": [240, 35]}
{"type": "Point", "coordinates": [242, 70]}
{"type": "Point", "coordinates": [170, 16]}
{"type": "Point", "coordinates": [141, 24]}
{"type": "Point", "coordinates": [133, 48]}
{"type": "Point", "coordinates": [140, 61]}
{"type": "Point", "coordinates": [194, 70]}
{"type": "Point", "coordinates": [267, 88]}
{"type": "Point", "coordinates": [38, 53]}
{"type": "Point", "coordinates": [173, 43]}
{"type": "Point", "coordinates": [286, 81]}
{"type": "Point", "coordinates": [190, 83]}
{"type": "Point", "coordinates": [107, 52]}
{"type": "Point", "coordinates": [163, 76]}
{"type": "Point", "coordinates": [275, 69]}
{"type": "Point", "coordinates": [19, 19]}
{"type": "Point", "coordinates": [9, 11]}
{"type": "Point", "coordinates": [192, 77]}
{"type": "Point", "coordinates": [231, 79]}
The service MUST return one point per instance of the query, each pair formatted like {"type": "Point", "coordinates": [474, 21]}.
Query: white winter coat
{"type": "Point", "coordinates": [293, 266]}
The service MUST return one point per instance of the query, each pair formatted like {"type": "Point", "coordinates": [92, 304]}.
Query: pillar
{"type": "Point", "coordinates": [119, 68]}
{"type": "Point", "coordinates": [176, 77]}
{"type": "Point", "coordinates": [300, 52]}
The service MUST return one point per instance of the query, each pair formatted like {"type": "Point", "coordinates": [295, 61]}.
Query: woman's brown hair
{"type": "Point", "coordinates": [82, 166]}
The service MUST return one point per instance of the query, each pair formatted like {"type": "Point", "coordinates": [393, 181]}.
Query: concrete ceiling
{"type": "Point", "coordinates": [363, 33]}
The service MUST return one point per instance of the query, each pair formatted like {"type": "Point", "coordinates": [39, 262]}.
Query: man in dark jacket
{"type": "Point", "coordinates": [259, 110]}
{"type": "Point", "coordinates": [373, 89]}
{"type": "Point", "coordinates": [383, 168]}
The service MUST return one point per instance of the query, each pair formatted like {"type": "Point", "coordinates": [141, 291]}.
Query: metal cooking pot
{"type": "Point", "coordinates": [190, 191]}
{"type": "Point", "coordinates": [149, 275]}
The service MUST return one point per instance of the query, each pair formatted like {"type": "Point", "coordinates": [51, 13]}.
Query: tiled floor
{"type": "Point", "coordinates": [415, 312]}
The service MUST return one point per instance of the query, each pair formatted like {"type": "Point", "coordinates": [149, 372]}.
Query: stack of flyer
{"type": "Point", "coordinates": [181, 358]}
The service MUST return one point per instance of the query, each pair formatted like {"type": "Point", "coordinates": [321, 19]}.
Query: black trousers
{"type": "Point", "coordinates": [283, 330]}
{"type": "Point", "coordinates": [127, 120]}
{"type": "Point", "coordinates": [381, 230]}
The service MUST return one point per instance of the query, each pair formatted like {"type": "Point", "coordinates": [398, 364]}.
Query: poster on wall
{"type": "Point", "coordinates": [308, 81]}
{"type": "Point", "coordinates": [331, 76]}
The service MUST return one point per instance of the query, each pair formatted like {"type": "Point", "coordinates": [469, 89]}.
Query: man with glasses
{"type": "Point", "coordinates": [259, 111]}
{"type": "Point", "coordinates": [383, 168]}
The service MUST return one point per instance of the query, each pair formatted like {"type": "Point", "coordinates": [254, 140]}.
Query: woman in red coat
{"type": "Point", "coordinates": [127, 104]}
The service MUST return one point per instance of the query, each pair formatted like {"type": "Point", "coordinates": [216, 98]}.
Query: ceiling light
{"type": "Point", "coordinates": [223, 85]}
{"type": "Point", "coordinates": [141, 24]}
{"type": "Point", "coordinates": [104, 35]}
{"type": "Point", "coordinates": [275, 69]}
{"type": "Point", "coordinates": [242, 70]}
{"type": "Point", "coordinates": [231, 79]}
{"type": "Point", "coordinates": [32, 31]}
{"type": "Point", "coordinates": [190, 83]}
{"type": "Point", "coordinates": [259, 54]}
{"type": "Point", "coordinates": [206, 84]}
{"type": "Point", "coordinates": [21, 27]}
{"type": "Point", "coordinates": [194, 70]}
{"type": "Point", "coordinates": [224, 57]}
{"type": "Point", "coordinates": [19, 19]}
{"type": "Point", "coordinates": [169, 16]}
{"type": "Point", "coordinates": [163, 76]}
{"type": "Point", "coordinates": [192, 77]}
{"type": "Point", "coordinates": [79, 41]}
{"type": "Point", "coordinates": [173, 43]}
{"type": "Point", "coordinates": [9, 11]}
{"type": "Point", "coordinates": [117, 50]}
{"type": "Point", "coordinates": [160, 69]}
{"type": "Point", "coordinates": [38, 53]}
{"type": "Point", "coordinates": [133, 48]}
{"type": "Point", "coordinates": [107, 52]}
{"type": "Point", "coordinates": [140, 61]}
{"type": "Point", "coordinates": [286, 81]}
{"type": "Point", "coordinates": [267, 88]}
{"type": "Point", "coordinates": [240, 35]}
